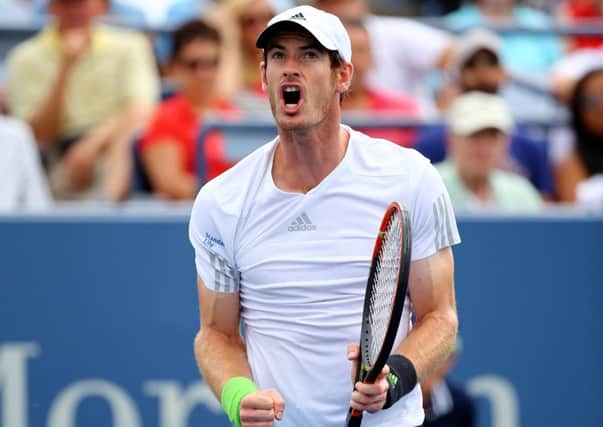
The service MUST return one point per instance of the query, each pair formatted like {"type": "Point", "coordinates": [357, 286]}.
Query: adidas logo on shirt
{"type": "Point", "coordinates": [299, 16]}
{"type": "Point", "coordinates": [302, 223]}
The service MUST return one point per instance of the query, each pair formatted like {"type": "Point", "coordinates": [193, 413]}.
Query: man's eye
{"type": "Point", "coordinates": [310, 55]}
{"type": "Point", "coordinates": [277, 55]}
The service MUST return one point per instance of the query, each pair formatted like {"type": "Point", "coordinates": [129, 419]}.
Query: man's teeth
{"type": "Point", "coordinates": [291, 100]}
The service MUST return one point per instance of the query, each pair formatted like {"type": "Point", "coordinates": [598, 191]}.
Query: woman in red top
{"type": "Point", "coordinates": [169, 146]}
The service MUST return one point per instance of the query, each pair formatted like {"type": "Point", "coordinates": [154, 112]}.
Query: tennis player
{"type": "Point", "coordinates": [283, 242]}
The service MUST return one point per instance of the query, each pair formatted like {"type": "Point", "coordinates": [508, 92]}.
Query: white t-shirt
{"type": "Point", "coordinates": [301, 261]}
{"type": "Point", "coordinates": [22, 181]}
{"type": "Point", "coordinates": [404, 52]}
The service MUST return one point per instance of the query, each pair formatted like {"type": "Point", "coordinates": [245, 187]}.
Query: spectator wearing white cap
{"type": "Point", "coordinates": [478, 68]}
{"type": "Point", "coordinates": [479, 126]}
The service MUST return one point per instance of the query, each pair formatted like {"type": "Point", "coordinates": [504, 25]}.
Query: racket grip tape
{"type": "Point", "coordinates": [354, 418]}
{"type": "Point", "coordinates": [233, 393]}
{"type": "Point", "coordinates": [402, 378]}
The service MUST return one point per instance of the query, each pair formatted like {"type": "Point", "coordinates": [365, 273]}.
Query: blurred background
{"type": "Point", "coordinates": [113, 113]}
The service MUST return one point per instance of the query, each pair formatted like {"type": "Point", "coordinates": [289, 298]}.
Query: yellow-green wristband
{"type": "Point", "coordinates": [234, 391]}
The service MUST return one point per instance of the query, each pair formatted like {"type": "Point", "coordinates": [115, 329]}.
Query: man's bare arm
{"type": "Point", "coordinates": [46, 118]}
{"type": "Point", "coordinates": [219, 347]}
{"type": "Point", "coordinates": [431, 288]}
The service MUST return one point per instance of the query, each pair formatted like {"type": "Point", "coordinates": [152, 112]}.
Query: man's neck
{"type": "Point", "coordinates": [303, 158]}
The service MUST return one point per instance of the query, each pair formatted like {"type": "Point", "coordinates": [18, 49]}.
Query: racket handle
{"type": "Point", "coordinates": [354, 418]}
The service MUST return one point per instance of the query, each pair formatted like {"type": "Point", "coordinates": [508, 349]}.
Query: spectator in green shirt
{"type": "Point", "coordinates": [479, 125]}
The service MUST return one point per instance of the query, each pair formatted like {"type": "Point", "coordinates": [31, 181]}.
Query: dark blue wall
{"type": "Point", "coordinates": [112, 300]}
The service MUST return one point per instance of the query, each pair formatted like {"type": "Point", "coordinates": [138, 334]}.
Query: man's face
{"type": "Point", "coordinates": [482, 72]}
{"type": "Point", "coordinates": [196, 66]}
{"type": "Point", "coordinates": [302, 87]}
{"type": "Point", "coordinates": [478, 154]}
{"type": "Point", "coordinates": [72, 14]}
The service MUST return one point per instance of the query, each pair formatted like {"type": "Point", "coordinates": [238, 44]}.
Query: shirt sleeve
{"type": "Point", "coordinates": [213, 247]}
{"type": "Point", "coordinates": [433, 221]}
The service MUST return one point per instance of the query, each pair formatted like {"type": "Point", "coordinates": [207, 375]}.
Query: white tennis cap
{"type": "Point", "coordinates": [475, 40]}
{"type": "Point", "coordinates": [475, 111]}
{"type": "Point", "coordinates": [325, 27]}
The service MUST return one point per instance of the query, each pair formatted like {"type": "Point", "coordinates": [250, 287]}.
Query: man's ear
{"type": "Point", "coordinates": [263, 75]}
{"type": "Point", "coordinates": [345, 73]}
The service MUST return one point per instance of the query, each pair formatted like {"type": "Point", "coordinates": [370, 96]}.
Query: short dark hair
{"type": "Point", "coordinates": [192, 30]}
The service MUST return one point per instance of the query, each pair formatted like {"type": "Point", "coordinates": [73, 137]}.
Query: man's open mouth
{"type": "Point", "coordinates": [291, 96]}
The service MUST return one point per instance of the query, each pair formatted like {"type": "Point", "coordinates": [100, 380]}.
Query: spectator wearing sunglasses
{"type": "Point", "coordinates": [579, 167]}
{"type": "Point", "coordinates": [169, 147]}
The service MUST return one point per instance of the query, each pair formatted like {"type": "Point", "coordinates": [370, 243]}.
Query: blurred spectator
{"type": "Point", "coordinates": [478, 68]}
{"type": "Point", "coordinates": [445, 402]}
{"type": "Point", "coordinates": [573, 67]}
{"type": "Point", "coordinates": [365, 100]}
{"type": "Point", "coordinates": [479, 127]}
{"type": "Point", "coordinates": [404, 50]}
{"type": "Point", "coordinates": [22, 181]}
{"type": "Point", "coordinates": [169, 145]}
{"type": "Point", "coordinates": [240, 22]}
{"type": "Point", "coordinates": [579, 11]}
{"type": "Point", "coordinates": [581, 157]}
{"type": "Point", "coordinates": [85, 90]}
{"type": "Point", "coordinates": [521, 53]}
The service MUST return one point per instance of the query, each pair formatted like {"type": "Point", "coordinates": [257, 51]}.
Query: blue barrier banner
{"type": "Point", "coordinates": [98, 316]}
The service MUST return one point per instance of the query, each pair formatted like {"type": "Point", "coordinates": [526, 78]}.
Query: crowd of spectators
{"type": "Point", "coordinates": [507, 103]}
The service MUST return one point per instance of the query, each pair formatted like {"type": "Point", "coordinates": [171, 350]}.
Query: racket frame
{"type": "Point", "coordinates": [369, 374]}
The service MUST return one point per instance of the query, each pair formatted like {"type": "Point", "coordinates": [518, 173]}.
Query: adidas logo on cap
{"type": "Point", "coordinates": [302, 223]}
{"type": "Point", "coordinates": [299, 16]}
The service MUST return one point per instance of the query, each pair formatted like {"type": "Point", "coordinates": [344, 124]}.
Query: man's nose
{"type": "Point", "coordinates": [291, 66]}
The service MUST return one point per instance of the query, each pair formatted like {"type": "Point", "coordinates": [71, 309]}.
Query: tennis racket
{"type": "Point", "coordinates": [384, 298]}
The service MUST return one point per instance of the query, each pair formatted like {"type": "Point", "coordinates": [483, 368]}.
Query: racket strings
{"type": "Point", "coordinates": [384, 287]}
